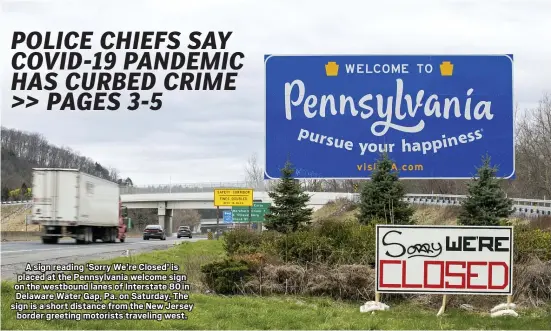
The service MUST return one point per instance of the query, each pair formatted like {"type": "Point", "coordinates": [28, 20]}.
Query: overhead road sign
{"type": "Point", "coordinates": [257, 212]}
{"type": "Point", "coordinates": [228, 197]}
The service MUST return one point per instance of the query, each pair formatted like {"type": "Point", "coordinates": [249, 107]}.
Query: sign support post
{"type": "Point", "coordinates": [232, 197]}
{"type": "Point", "coordinates": [443, 307]}
{"type": "Point", "coordinates": [217, 218]}
{"type": "Point", "coordinates": [250, 217]}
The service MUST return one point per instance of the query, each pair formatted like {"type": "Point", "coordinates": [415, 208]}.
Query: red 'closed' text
{"type": "Point", "coordinates": [450, 274]}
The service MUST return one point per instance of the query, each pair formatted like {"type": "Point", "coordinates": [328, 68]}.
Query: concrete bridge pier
{"type": "Point", "coordinates": [165, 218]}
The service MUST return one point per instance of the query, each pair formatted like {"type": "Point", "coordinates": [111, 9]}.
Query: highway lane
{"type": "Point", "coordinates": [15, 255]}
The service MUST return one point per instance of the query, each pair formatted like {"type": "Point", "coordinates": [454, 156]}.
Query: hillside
{"type": "Point", "coordinates": [343, 209]}
{"type": "Point", "coordinates": [15, 170]}
{"type": "Point", "coordinates": [22, 151]}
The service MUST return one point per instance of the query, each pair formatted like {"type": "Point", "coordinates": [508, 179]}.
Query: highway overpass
{"type": "Point", "coordinates": [165, 203]}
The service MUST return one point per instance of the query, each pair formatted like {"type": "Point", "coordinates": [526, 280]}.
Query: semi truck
{"type": "Point", "coordinates": [71, 203]}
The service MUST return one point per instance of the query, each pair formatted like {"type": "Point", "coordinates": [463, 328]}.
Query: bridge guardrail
{"type": "Point", "coordinates": [19, 202]}
{"type": "Point", "coordinates": [525, 207]}
{"type": "Point", "coordinates": [190, 187]}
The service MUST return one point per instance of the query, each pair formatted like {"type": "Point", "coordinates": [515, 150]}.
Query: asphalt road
{"type": "Point", "coordinates": [15, 255]}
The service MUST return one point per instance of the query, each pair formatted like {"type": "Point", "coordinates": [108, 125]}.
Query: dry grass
{"type": "Point", "coordinates": [532, 283]}
{"type": "Point", "coordinates": [541, 222]}
{"type": "Point", "coordinates": [424, 214]}
{"type": "Point", "coordinates": [435, 215]}
{"type": "Point", "coordinates": [342, 208]}
{"type": "Point", "coordinates": [349, 282]}
{"type": "Point", "coordinates": [13, 219]}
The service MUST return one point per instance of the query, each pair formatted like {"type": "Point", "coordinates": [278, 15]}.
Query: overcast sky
{"type": "Point", "coordinates": [208, 136]}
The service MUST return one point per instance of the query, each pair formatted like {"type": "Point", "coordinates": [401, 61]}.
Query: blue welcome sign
{"type": "Point", "coordinates": [435, 115]}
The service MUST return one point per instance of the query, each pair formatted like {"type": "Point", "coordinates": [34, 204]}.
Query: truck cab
{"type": "Point", "coordinates": [123, 222]}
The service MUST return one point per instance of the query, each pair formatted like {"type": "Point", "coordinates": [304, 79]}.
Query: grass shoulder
{"type": "Point", "coordinates": [255, 312]}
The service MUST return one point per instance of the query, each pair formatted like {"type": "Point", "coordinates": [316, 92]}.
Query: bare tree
{"type": "Point", "coordinates": [533, 152]}
{"type": "Point", "coordinates": [22, 151]}
{"type": "Point", "coordinates": [142, 217]}
{"type": "Point", "coordinates": [187, 217]}
{"type": "Point", "coordinates": [254, 173]}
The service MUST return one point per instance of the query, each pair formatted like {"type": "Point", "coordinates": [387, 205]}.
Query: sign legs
{"type": "Point", "coordinates": [443, 307]}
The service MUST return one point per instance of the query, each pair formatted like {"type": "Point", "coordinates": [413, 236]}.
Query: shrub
{"type": "Point", "coordinates": [348, 282]}
{"type": "Point", "coordinates": [351, 242]}
{"type": "Point", "coordinates": [531, 244]}
{"type": "Point", "coordinates": [254, 260]}
{"type": "Point", "coordinates": [226, 276]}
{"type": "Point", "coordinates": [241, 241]}
{"type": "Point", "coordinates": [345, 282]}
{"type": "Point", "coordinates": [329, 241]}
{"type": "Point", "coordinates": [302, 247]}
{"type": "Point", "coordinates": [532, 282]}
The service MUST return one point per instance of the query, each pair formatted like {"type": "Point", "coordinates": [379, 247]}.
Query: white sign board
{"type": "Point", "coordinates": [444, 259]}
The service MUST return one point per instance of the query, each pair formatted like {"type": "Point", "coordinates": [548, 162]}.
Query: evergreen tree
{"type": "Point", "coordinates": [23, 192]}
{"type": "Point", "coordinates": [486, 202]}
{"type": "Point", "coordinates": [5, 193]}
{"type": "Point", "coordinates": [381, 198]}
{"type": "Point", "coordinates": [289, 211]}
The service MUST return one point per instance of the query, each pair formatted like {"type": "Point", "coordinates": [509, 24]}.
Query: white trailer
{"type": "Point", "coordinates": [70, 203]}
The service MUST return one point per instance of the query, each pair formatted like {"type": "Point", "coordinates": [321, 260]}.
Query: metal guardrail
{"type": "Point", "coordinates": [191, 187]}
{"type": "Point", "coordinates": [524, 207]}
{"type": "Point", "coordinates": [20, 202]}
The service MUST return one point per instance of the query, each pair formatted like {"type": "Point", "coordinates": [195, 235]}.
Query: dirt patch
{"type": "Point", "coordinates": [14, 218]}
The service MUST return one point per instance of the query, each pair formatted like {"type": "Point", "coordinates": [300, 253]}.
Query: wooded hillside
{"type": "Point", "coordinates": [22, 151]}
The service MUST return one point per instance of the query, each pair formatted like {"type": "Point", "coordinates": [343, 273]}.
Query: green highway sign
{"type": "Point", "coordinates": [258, 210]}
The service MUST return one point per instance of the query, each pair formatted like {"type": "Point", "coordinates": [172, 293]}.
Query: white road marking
{"type": "Point", "coordinates": [58, 249]}
{"type": "Point", "coordinates": [175, 241]}
{"type": "Point", "coordinates": [32, 250]}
